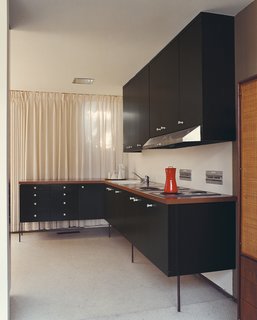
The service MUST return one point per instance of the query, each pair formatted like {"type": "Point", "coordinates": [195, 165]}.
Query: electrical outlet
{"type": "Point", "coordinates": [185, 174]}
{"type": "Point", "coordinates": [214, 177]}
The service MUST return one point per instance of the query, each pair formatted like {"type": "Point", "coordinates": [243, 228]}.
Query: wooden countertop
{"type": "Point", "coordinates": [134, 188]}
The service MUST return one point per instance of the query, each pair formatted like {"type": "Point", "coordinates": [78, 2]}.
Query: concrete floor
{"type": "Point", "coordinates": [86, 276]}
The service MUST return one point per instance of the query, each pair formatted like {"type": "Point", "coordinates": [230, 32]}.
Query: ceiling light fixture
{"type": "Point", "coordinates": [83, 80]}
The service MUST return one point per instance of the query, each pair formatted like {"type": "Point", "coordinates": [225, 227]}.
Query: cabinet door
{"type": "Point", "coordinates": [91, 201]}
{"type": "Point", "coordinates": [35, 203]}
{"type": "Point", "coordinates": [110, 205]}
{"type": "Point", "coordinates": [64, 201]}
{"type": "Point", "coordinates": [136, 111]}
{"type": "Point", "coordinates": [115, 208]}
{"type": "Point", "coordinates": [164, 91]}
{"type": "Point", "coordinates": [206, 237]}
{"type": "Point", "coordinates": [190, 65]}
{"type": "Point", "coordinates": [148, 230]}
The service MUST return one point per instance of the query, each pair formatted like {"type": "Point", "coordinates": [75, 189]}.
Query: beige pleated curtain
{"type": "Point", "coordinates": [56, 136]}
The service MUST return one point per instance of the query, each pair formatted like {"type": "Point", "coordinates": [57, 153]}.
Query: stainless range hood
{"type": "Point", "coordinates": [189, 136]}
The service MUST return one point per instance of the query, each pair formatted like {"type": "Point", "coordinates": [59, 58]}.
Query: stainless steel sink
{"type": "Point", "coordinates": [149, 188]}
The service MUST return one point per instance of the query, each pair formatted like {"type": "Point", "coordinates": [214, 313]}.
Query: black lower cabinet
{"type": "Point", "coordinates": [35, 203]}
{"type": "Point", "coordinates": [64, 202]}
{"type": "Point", "coordinates": [179, 239]}
{"type": "Point", "coordinates": [58, 202]}
{"type": "Point", "coordinates": [206, 237]}
{"type": "Point", "coordinates": [148, 223]}
{"type": "Point", "coordinates": [115, 208]}
{"type": "Point", "coordinates": [91, 201]}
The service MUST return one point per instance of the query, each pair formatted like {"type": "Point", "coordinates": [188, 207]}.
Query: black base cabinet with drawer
{"type": "Point", "coordinates": [59, 202]}
{"type": "Point", "coordinates": [35, 203]}
{"type": "Point", "coordinates": [179, 239]}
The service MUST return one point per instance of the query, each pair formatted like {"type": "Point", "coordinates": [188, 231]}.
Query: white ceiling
{"type": "Point", "coordinates": [53, 41]}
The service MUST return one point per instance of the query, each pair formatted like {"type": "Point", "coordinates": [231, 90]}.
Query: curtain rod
{"type": "Point", "coordinates": [84, 94]}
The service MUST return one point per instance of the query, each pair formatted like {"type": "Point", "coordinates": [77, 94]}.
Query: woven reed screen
{"type": "Point", "coordinates": [249, 168]}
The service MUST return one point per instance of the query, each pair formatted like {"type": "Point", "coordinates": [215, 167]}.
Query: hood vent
{"type": "Point", "coordinates": [188, 136]}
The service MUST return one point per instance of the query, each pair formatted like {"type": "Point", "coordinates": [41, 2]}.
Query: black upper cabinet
{"type": "Point", "coordinates": [207, 94]}
{"type": "Point", "coordinates": [192, 82]}
{"type": "Point", "coordinates": [164, 90]}
{"type": "Point", "coordinates": [136, 111]}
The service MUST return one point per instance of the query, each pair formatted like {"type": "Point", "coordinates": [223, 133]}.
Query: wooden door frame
{"type": "Point", "coordinates": [238, 186]}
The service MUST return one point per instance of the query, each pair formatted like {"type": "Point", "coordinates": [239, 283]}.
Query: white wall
{"type": "Point", "coordinates": [198, 159]}
{"type": "Point", "coordinates": [4, 234]}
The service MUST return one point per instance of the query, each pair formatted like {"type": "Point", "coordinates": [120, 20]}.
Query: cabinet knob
{"type": "Point", "coordinates": [64, 194]}
{"type": "Point", "coordinates": [180, 122]}
{"type": "Point", "coordinates": [158, 129]}
{"type": "Point", "coordinates": [34, 194]}
{"type": "Point", "coordinates": [163, 128]}
{"type": "Point", "coordinates": [150, 205]}
{"type": "Point", "coordinates": [64, 214]}
{"type": "Point", "coordinates": [108, 189]}
{"type": "Point", "coordinates": [35, 188]}
{"type": "Point", "coordinates": [35, 203]}
{"type": "Point", "coordinates": [117, 191]}
{"type": "Point", "coordinates": [131, 198]}
{"type": "Point", "coordinates": [64, 202]}
{"type": "Point", "coordinates": [64, 187]}
{"type": "Point", "coordinates": [35, 215]}
{"type": "Point", "coordinates": [82, 187]}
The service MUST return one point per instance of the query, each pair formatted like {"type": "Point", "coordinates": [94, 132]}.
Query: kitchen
{"type": "Point", "coordinates": [217, 156]}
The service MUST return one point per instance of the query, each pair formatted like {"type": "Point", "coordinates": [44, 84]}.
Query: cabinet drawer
{"type": "Point", "coordinates": [35, 216]}
{"type": "Point", "coordinates": [64, 187]}
{"type": "Point", "coordinates": [64, 214]}
{"type": "Point", "coordinates": [35, 187]}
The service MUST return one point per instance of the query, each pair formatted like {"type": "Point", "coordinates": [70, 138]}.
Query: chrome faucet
{"type": "Point", "coordinates": [146, 179]}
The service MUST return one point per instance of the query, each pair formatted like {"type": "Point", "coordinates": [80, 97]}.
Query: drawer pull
{"type": "Point", "coordinates": [108, 189]}
{"type": "Point", "coordinates": [64, 194]}
{"type": "Point", "coordinates": [64, 187]}
{"type": "Point", "coordinates": [35, 203]}
{"type": "Point", "coordinates": [82, 187]}
{"type": "Point", "coordinates": [150, 205]}
{"type": "Point", "coordinates": [131, 198]}
{"type": "Point", "coordinates": [34, 194]}
{"type": "Point", "coordinates": [64, 202]}
{"type": "Point", "coordinates": [180, 122]}
{"type": "Point", "coordinates": [137, 200]}
{"type": "Point", "coordinates": [35, 188]}
{"type": "Point", "coordinates": [35, 215]}
{"type": "Point", "coordinates": [64, 214]}
{"type": "Point", "coordinates": [117, 191]}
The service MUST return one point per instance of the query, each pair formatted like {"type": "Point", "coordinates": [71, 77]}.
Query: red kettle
{"type": "Point", "coordinates": [170, 184]}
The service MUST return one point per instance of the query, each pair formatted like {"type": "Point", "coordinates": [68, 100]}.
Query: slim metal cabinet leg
{"type": "Point", "coordinates": [20, 226]}
{"type": "Point", "coordinates": [178, 294]}
{"type": "Point", "coordinates": [132, 253]}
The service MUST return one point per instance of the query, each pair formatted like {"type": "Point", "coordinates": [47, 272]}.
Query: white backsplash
{"type": "Point", "coordinates": [199, 159]}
